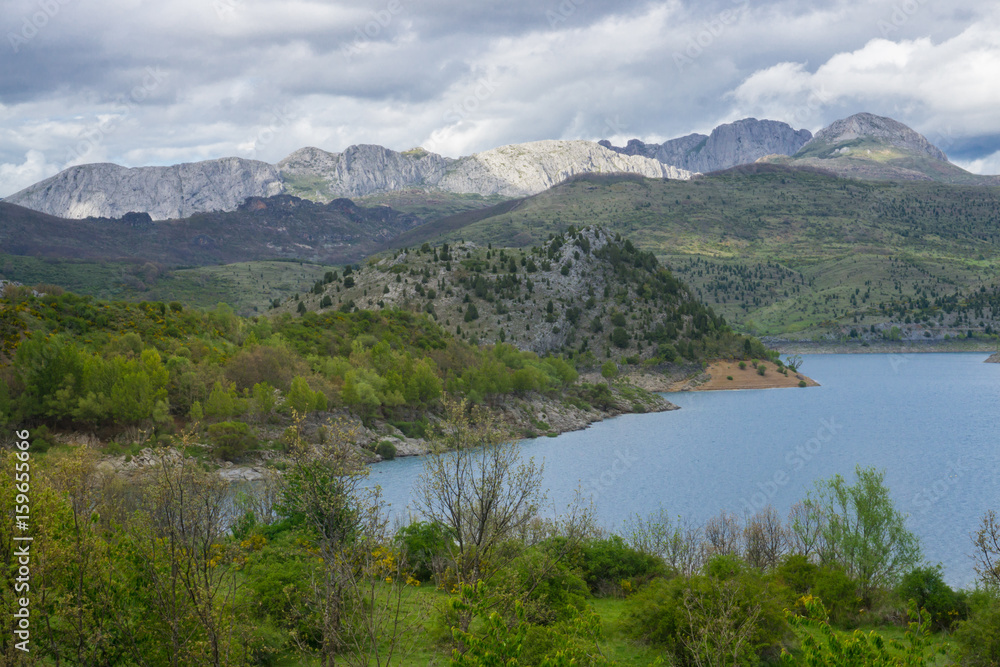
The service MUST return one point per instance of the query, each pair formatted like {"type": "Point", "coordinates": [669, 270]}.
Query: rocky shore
{"type": "Point", "coordinates": [532, 416]}
{"type": "Point", "coordinates": [994, 358]}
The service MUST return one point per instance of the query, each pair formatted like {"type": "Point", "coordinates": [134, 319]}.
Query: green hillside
{"type": "Point", "coordinates": [584, 294]}
{"type": "Point", "coordinates": [807, 253]}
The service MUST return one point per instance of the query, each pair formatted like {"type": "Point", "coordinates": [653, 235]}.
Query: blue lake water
{"type": "Point", "coordinates": [932, 421]}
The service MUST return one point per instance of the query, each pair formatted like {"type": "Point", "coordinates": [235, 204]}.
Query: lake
{"type": "Point", "coordinates": [930, 420]}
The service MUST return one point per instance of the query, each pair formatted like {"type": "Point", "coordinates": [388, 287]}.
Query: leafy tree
{"type": "Point", "coordinates": [609, 371]}
{"type": "Point", "coordinates": [619, 337]}
{"type": "Point", "coordinates": [862, 531]}
{"type": "Point", "coordinates": [221, 403]}
{"type": "Point", "coordinates": [231, 439]}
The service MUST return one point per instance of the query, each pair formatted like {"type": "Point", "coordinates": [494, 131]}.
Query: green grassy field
{"type": "Point", "coordinates": [428, 647]}
{"type": "Point", "coordinates": [249, 287]}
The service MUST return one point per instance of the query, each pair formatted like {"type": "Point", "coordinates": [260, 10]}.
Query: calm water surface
{"type": "Point", "coordinates": [930, 420]}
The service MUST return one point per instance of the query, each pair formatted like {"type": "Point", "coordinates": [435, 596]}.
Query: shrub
{"type": "Point", "coordinates": [425, 545]}
{"type": "Point", "coordinates": [733, 613]}
{"type": "Point", "coordinates": [606, 563]}
{"type": "Point", "coordinates": [978, 638]}
{"type": "Point", "coordinates": [619, 337]}
{"type": "Point", "coordinates": [549, 591]}
{"type": "Point", "coordinates": [761, 370]}
{"type": "Point", "coordinates": [802, 383]}
{"type": "Point", "coordinates": [830, 584]}
{"type": "Point", "coordinates": [926, 587]}
{"type": "Point", "coordinates": [231, 439]}
{"type": "Point", "coordinates": [386, 450]}
{"type": "Point", "coordinates": [743, 365]}
{"type": "Point", "coordinates": [729, 377]}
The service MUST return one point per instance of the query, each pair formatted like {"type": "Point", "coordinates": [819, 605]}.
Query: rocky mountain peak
{"type": "Point", "coordinates": [111, 191]}
{"type": "Point", "coordinates": [885, 130]}
{"type": "Point", "coordinates": [731, 144]}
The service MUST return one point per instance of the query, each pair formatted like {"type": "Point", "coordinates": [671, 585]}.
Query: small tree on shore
{"type": "Point", "coordinates": [476, 484]}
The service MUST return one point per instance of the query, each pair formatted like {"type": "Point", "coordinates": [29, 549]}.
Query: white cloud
{"type": "Point", "coordinates": [987, 165]}
{"type": "Point", "coordinates": [462, 77]}
{"type": "Point", "coordinates": [16, 177]}
{"type": "Point", "coordinates": [932, 85]}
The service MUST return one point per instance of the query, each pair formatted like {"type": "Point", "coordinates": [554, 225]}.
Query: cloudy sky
{"type": "Point", "coordinates": [151, 82]}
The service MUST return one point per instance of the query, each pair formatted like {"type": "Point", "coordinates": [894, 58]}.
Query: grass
{"type": "Point", "coordinates": [249, 287]}
{"type": "Point", "coordinates": [617, 645]}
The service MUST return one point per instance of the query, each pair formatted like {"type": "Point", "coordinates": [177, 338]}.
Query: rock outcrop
{"type": "Point", "coordinates": [516, 170]}
{"type": "Point", "coordinates": [366, 169]}
{"type": "Point", "coordinates": [878, 128]}
{"type": "Point", "coordinates": [729, 145]}
{"type": "Point", "coordinates": [110, 191]}
{"type": "Point", "coordinates": [994, 358]}
{"type": "Point", "coordinates": [520, 170]}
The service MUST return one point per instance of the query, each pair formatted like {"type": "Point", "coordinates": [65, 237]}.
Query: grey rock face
{"type": "Point", "coordinates": [110, 191]}
{"type": "Point", "coordinates": [741, 142]}
{"type": "Point", "coordinates": [887, 130]}
{"type": "Point", "coordinates": [367, 169]}
{"type": "Point", "coordinates": [519, 170]}
{"type": "Point", "coordinates": [515, 171]}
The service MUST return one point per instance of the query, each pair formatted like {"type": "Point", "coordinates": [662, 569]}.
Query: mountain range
{"type": "Point", "coordinates": [861, 146]}
{"type": "Point", "coordinates": [109, 191]}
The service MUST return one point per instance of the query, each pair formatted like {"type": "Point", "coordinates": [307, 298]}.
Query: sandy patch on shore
{"type": "Point", "coordinates": [716, 377]}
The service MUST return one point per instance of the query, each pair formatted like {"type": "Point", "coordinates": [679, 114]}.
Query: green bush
{"type": "Point", "coordinates": [606, 563]}
{"type": "Point", "coordinates": [802, 383]}
{"type": "Point", "coordinates": [831, 585]}
{"type": "Point", "coordinates": [704, 617]}
{"type": "Point", "coordinates": [619, 337]}
{"type": "Point", "coordinates": [549, 591]}
{"type": "Point", "coordinates": [231, 439]}
{"type": "Point", "coordinates": [743, 365]}
{"type": "Point", "coordinates": [978, 638]}
{"type": "Point", "coordinates": [425, 545]}
{"type": "Point", "coordinates": [926, 587]}
{"type": "Point", "coordinates": [386, 450]}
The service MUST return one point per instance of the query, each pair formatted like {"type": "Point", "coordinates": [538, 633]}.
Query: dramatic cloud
{"type": "Point", "coordinates": [158, 83]}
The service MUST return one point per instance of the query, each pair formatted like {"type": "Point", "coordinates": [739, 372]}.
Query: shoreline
{"type": "Point", "coordinates": [785, 346]}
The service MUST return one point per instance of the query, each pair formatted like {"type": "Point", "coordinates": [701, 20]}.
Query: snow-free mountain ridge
{"type": "Point", "coordinates": [729, 145]}
{"type": "Point", "coordinates": [861, 146]}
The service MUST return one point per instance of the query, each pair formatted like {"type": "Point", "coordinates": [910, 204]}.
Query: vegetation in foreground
{"type": "Point", "coordinates": [171, 567]}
